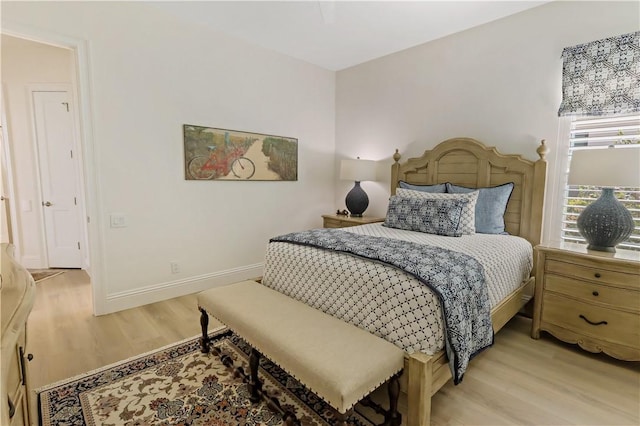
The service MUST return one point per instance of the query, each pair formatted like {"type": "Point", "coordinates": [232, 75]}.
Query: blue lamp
{"type": "Point", "coordinates": [358, 171]}
{"type": "Point", "coordinates": [605, 223]}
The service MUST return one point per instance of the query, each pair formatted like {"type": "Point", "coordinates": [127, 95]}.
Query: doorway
{"type": "Point", "coordinates": [59, 177]}
{"type": "Point", "coordinates": [80, 78]}
{"type": "Point", "coordinates": [45, 142]}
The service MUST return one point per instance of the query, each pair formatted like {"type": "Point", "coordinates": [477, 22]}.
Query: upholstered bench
{"type": "Point", "coordinates": [339, 362]}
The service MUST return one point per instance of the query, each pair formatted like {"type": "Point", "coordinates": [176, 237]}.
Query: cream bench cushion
{"type": "Point", "coordinates": [339, 362]}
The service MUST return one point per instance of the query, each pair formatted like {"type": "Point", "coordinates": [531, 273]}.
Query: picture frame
{"type": "Point", "coordinates": [221, 154]}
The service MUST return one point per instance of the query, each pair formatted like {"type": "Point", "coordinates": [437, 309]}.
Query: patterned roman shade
{"type": "Point", "coordinates": [602, 77]}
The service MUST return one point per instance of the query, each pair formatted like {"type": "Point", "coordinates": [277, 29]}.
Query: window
{"type": "Point", "coordinates": [586, 132]}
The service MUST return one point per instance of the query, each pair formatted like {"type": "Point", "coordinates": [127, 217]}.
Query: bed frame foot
{"type": "Point", "coordinates": [420, 389]}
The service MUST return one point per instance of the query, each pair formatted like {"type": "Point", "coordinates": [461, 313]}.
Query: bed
{"type": "Point", "coordinates": [326, 280]}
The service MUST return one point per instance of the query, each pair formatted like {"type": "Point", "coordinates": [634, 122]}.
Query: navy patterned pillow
{"type": "Point", "coordinates": [467, 219]}
{"type": "Point", "coordinates": [431, 216]}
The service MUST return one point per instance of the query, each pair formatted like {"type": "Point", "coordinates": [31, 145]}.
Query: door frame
{"type": "Point", "coordinates": [8, 165]}
{"type": "Point", "coordinates": [79, 184]}
{"type": "Point", "coordinates": [92, 196]}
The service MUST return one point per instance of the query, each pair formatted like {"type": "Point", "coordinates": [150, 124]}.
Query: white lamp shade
{"type": "Point", "coordinates": [358, 170]}
{"type": "Point", "coordinates": [608, 167]}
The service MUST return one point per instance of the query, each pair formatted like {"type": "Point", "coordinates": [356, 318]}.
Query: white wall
{"type": "Point", "coordinates": [499, 83]}
{"type": "Point", "coordinates": [150, 74]}
{"type": "Point", "coordinates": [23, 64]}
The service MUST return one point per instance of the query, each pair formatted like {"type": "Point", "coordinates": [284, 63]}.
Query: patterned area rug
{"type": "Point", "coordinates": [179, 385]}
{"type": "Point", "coordinates": [43, 274]}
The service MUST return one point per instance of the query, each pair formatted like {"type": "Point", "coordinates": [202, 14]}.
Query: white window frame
{"type": "Point", "coordinates": [557, 185]}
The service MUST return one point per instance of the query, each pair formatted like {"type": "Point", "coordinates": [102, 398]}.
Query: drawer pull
{"type": "Point", "coordinates": [595, 293]}
{"type": "Point", "coordinates": [597, 275]}
{"type": "Point", "coordinates": [593, 323]}
{"type": "Point", "coordinates": [23, 368]}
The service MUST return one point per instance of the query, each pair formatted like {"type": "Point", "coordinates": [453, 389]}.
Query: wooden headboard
{"type": "Point", "coordinates": [468, 162]}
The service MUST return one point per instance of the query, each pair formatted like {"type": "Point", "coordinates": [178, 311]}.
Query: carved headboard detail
{"type": "Point", "coordinates": [468, 162]}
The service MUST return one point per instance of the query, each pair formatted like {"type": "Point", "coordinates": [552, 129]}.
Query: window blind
{"type": "Point", "coordinates": [601, 77]}
{"type": "Point", "coordinates": [594, 132]}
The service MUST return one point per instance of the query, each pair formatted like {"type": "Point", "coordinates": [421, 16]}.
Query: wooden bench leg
{"type": "Point", "coordinates": [393, 416]}
{"type": "Point", "coordinates": [204, 325]}
{"type": "Point", "coordinates": [255, 385]}
{"type": "Point", "coordinates": [341, 418]}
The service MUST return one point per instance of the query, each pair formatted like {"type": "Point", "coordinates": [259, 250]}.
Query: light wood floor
{"type": "Point", "coordinates": [518, 381]}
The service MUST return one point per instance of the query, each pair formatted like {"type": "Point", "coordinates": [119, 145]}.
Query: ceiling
{"type": "Point", "coordinates": [340, 34]}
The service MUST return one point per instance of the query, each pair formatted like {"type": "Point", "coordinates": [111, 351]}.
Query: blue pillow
{"type": "Point", "coordinates": [431, 216]}
{"type": "Point", "coordinates": [490, 207]}
{"type": "Point", "coordinates": [440, 188]}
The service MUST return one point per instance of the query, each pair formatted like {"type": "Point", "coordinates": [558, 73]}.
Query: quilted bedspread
{"type": "Point", "coordinates": [457, 279]}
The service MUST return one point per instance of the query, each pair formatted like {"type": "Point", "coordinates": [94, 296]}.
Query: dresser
{"type": "Point", "coordinates": [17, 290]}
{"type": "Point", "coordinates": [343, 221]}
{"type": "Point", "coordinates": [589, 298]}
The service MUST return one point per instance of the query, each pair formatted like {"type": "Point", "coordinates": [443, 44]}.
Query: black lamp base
{"type": "Point", "coordinates": [605, 223]}
{"type": "Point", "coordinates": [357, 201]}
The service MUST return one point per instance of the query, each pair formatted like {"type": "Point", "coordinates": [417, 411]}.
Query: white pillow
{"type": "Point", "coordinates": [467, 219]}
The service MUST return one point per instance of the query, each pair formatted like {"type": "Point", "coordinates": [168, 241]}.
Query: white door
{"type": "Point", "coordinates": [59, 177]}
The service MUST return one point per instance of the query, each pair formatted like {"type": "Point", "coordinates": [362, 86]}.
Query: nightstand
{"type": "Point", "coordinates": [589, 297]}
{"type": "Point", "coordinates": [343, 221]}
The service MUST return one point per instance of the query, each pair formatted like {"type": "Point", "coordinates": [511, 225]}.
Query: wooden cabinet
{"type": "Point", "coordinates": [343, 221]}
{"type": "Point", "coordinates": [17, 293]}
{"type": "Point", "coordinates": [590, 298]}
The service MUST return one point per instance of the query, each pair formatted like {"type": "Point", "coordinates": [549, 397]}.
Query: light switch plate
{"type": "Point", "coordinates": [118, 220]}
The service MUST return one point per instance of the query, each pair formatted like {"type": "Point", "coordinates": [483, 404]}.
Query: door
{"type": "Point", "coordinates": [59, 177]}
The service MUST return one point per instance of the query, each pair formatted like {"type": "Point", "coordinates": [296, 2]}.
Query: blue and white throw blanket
{"type": "Point", "coordinates": [456, 278]}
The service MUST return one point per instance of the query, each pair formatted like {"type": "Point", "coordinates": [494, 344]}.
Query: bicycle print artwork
{"type": "Point", "coordinates": [220, 154]}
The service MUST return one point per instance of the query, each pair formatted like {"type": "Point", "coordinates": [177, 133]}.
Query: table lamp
{"type": "Point", "coordinates": [357, 170]}
{"type": "Point", "coordinates": [606, 222]}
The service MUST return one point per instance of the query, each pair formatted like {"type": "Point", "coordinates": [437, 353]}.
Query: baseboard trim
{"type": "Point", "coordinates": [155, 293]}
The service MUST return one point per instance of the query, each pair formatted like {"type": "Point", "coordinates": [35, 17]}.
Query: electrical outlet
{"type": "Point", "coordinates": [175, 268]}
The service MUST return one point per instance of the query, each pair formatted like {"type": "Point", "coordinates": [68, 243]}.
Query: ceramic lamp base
{"type": "Point", "coordinates": [605, 223]}
{"type": "Point", "coordinates": [357, 201]}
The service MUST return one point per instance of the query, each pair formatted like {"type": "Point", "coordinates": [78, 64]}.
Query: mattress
{"type": "Point", "coordinates": [383, 299]}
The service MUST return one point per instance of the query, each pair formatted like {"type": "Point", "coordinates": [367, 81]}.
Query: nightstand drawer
{"type": "Point", "coordinates": [593, 292]}
{"type": "Point", "coordinates": [593, 274]}
{"type": "Point", "coordinates": [335, 223]}
{"type": "Point", "coordinates": [344, 221]}
{"type": "Point", "coordinates": [589, 320]}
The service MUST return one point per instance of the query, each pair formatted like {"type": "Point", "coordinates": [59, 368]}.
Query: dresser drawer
{"type": "Point", "coordinates": [593, 274]}
{"type": "Point", "coordinates": [613, 326]}
{"type": "Point", "coordinates": [593, 292]}
{"type": "Point", "coordinates": [13, 374]}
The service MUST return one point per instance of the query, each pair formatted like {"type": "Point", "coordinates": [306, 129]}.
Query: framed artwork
{"type": "Point", "coordinates": [220, 154]}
